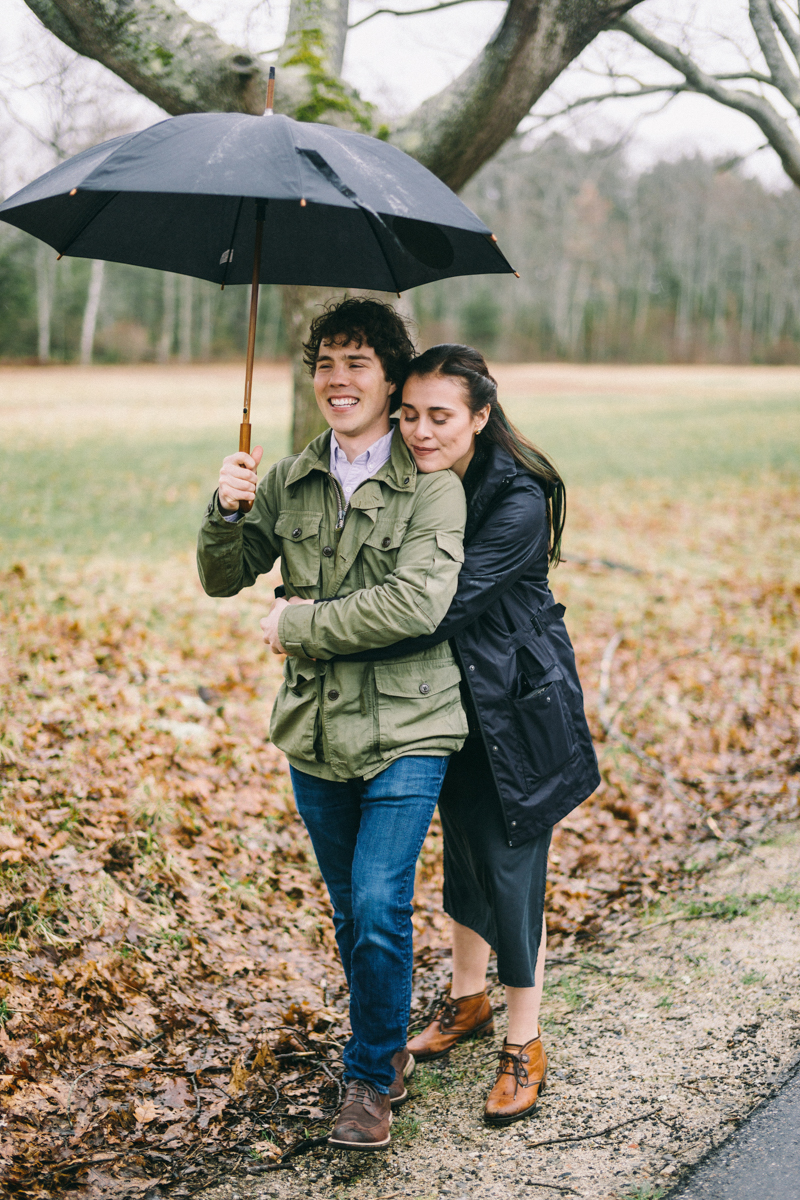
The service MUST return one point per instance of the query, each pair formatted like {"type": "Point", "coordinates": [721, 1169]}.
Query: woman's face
{"type": "Point", "coordinates": [437, 424]}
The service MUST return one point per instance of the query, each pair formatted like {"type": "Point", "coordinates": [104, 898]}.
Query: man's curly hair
{"type": "Point", "coordinates": [364, 322]}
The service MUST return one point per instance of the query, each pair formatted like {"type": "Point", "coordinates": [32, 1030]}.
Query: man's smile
{"type": "Point", "coordinates": [343, 401]}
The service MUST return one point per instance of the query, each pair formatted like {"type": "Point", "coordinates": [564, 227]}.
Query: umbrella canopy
{"type": "Point", "coordinates": [340, 209]}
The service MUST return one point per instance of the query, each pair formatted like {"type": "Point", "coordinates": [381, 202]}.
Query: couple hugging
{"type": "Point", "coordinates": [426, 661]}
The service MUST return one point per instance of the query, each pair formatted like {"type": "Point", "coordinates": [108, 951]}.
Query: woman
{"type": "Point", "coordinates": [529, 758]}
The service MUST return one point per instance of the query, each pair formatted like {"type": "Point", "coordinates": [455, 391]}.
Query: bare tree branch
{"type": "Point", "coordinates": [782, 77]}
{"type": "Point", "coordinates": [457, 131]}
{"type": "Point", "coordinates": [788, 33]}
{"type": "Point", "coordinates": [177, 62]}
{"type": "Point", "coordinates": [774, 127]}
{"type": "Point", "coordinates": [409, 12]}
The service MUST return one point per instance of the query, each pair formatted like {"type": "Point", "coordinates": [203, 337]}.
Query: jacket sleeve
{"type": "Point", "coordinates": [415, 595]}
{"type": "Point", "coordinates": [232, 554]}
{"type": "Point", "coordinates": [513, 538]}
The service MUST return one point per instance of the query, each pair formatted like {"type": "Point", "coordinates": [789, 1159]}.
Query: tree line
{"type": "Point", "coordinates": [686, 262]}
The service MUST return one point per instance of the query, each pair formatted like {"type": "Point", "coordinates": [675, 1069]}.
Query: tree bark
{"type": "Point", "coordinates": [300, 306]}
{"type": "Point", "coordinates": [92, 309]}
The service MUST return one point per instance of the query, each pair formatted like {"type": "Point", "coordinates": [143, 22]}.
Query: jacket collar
{"type": "Point", "coordinates": [400, 471]}
{"type": "Point", "coordinates": [500, 468]}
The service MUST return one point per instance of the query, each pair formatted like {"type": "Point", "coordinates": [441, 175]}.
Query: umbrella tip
{"type": "Point", "coordinates": [270, 92]}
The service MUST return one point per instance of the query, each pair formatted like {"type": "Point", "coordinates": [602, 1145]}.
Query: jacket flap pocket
{"type": "Point", "coordinates": [451, 545]}
{"type": "Point", "coordinates": [298, 525]}
{"type": "Point", "coordinates": [387, 535]}
{"type": "Point", "coordinates": [415, 679]}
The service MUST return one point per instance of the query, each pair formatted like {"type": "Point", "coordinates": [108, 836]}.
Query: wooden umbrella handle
{"type": "Point", "coordinates": [244, 428]}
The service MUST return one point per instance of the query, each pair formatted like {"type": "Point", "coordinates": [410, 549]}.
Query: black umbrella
{"type": "Point", "coordinates": [235, 198]}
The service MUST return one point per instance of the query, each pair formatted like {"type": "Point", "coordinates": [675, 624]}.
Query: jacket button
{"type": "Point", "coordinates": [472, 666]}
{"type": "Point", "coordinates": [424, 688]}
{"type": "Point", "coordinates": [495, 748]}
{"type": "Point", "coordinates": [333, 694]}
{"type": "Point", "coordinates": [406, 479]}
{"type": "Point", "coordinates": [548, 699]}
{"type": "Point", "coordinates": [386, 542]}
{"type": "Point", "coordinates": [297, 532]}
{"type": "Point", "coordinates": [511, 843]}
{"type": "Point", "coordinates": [513, 824]}
{"type": "Point", "coordinates": [327, 551]}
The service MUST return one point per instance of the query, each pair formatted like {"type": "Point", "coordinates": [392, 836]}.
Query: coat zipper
{"type": "Point", "coordinates": [341, 503]}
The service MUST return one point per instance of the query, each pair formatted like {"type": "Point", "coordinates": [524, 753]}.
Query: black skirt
{"type": "Point", "coordinates": [494, 889]}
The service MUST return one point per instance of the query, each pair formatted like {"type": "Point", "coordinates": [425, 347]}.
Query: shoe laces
{"type": "Point", "coordinates": [512, 1064]}
{"type": "Point", "coordinates": [358, 1092]}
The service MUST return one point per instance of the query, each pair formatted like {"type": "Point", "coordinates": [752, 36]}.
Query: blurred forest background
{"type": "Point", "coordinates": [688, 261]}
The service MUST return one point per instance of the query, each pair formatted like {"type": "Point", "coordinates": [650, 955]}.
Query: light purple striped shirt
{"type": "Point", "coordinates": [351, 474]}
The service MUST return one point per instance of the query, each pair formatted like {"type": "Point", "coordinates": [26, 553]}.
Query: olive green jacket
{"type": "Point", "coordinates": [393, 556]}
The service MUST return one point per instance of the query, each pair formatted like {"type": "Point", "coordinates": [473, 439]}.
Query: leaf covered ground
{"type": "Point", "coordinates": [171, 1007]}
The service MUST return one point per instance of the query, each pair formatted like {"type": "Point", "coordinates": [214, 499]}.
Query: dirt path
{"type": "Point", "coordinates": [677, 1029]}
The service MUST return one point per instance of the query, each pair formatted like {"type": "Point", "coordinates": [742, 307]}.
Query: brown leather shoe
{"type": "Point", "coordinates": [521, 1077]}
{"type": "Point", "coordinates": [403, 1064]}
{"type": "Point", "coordinates": [363, 1120]}
{"type": "Point", "coordinates": [456, 1020]}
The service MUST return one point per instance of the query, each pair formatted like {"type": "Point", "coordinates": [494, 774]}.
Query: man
{"type": "Point", "coordinates": [367, 743]}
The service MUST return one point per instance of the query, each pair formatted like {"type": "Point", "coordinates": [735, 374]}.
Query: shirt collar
{"type": "Point", "coordinates": [380, 450]}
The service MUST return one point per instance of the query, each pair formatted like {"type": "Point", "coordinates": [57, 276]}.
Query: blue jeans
{"type": "Point", "coordinates": [367, 835]}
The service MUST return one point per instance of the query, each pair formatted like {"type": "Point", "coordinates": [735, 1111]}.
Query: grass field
{"type": "Point", "coordinates": [121, 460]}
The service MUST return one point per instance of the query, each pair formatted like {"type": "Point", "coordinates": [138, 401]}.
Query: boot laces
{"type": "Point", "coordinates": [512, 1064]}
{"type": "Point", "coordinates": [358, 1092]}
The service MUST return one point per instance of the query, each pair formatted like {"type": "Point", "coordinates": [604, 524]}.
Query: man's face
{"type": "Point", "coordinates": [352, 391]}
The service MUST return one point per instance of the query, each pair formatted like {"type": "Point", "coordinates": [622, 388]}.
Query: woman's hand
{"type": "Point", "coordinates": [269, 626]}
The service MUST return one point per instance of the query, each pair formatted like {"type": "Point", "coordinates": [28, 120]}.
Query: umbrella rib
{"type": "Point", "coordinates": [88, 221]}
{"type": "Point", "coordinates": [233, 239]}
{"type": "Point", "coordinates": [372, 221]}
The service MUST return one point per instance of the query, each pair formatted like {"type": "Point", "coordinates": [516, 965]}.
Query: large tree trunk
{"type": "Point", "coordinates": [300, 306]}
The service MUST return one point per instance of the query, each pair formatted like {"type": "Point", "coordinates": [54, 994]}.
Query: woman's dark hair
{"type": "Point", "coordinates": [469, 365]}
{"type": "Point", "coordinates": [364, 322]}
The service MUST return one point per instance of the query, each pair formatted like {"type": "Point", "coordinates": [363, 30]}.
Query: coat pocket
{"type": "Point", "coordinates": [300, 551]}
{"type": "Point", "coordinates": [418, 701]}
{"type": "Point", "coordinates": [544, 729]}
{"type": "Point", "coordinates": [293, 723]}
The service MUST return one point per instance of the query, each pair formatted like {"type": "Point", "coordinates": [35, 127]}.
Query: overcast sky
{"type": "Point", "coordinates": [397, 62]}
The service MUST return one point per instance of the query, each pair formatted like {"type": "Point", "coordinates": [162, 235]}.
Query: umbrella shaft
{"type": "Point", "coordinates": [251, 333]}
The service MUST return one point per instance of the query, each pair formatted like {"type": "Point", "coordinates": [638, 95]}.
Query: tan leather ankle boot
{"type": "Point", "coordinates": [521, 1077]}
{"type": "Point", "coordinates": [455, 1021]}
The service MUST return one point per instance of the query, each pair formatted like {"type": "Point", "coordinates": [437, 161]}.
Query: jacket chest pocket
{"type": "Point", "coordinates": [298, 530]}
{"type": "Point", "coordinates": [379, 550]}
{"type": "Point", "coordinates": [544, 727]}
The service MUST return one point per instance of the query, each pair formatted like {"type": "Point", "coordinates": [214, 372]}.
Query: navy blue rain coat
{"type": "Point", "coordinates": [519, 676]}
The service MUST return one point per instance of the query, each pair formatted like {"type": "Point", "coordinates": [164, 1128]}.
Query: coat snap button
{"type": "Point", "coordinates": [513, 824]}
{"type": "Point", "coordinates": [333, 694]}
{"type": "Point", "coordinates": [494, 748]}
{"type": "Point", "coordinates": [296, 532]}
{"type": "Point", "coordinates": [472, 666]}
{"type": "Point", "coordinates": [327, 551]}
{"type": "Point", "coordinates": [424, 688]}
{"type": "Point", "coordinates": [548, 699]}
{"type": "Point", "coordinates": [386, 542]}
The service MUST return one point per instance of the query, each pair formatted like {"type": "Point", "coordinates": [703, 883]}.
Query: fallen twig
{"type": "Point", "coordinates": [584, 1137]}
{"type": "Point", "coordinates": [628, 937]}
{"type": "Point", "coordinates": [603, 562]}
